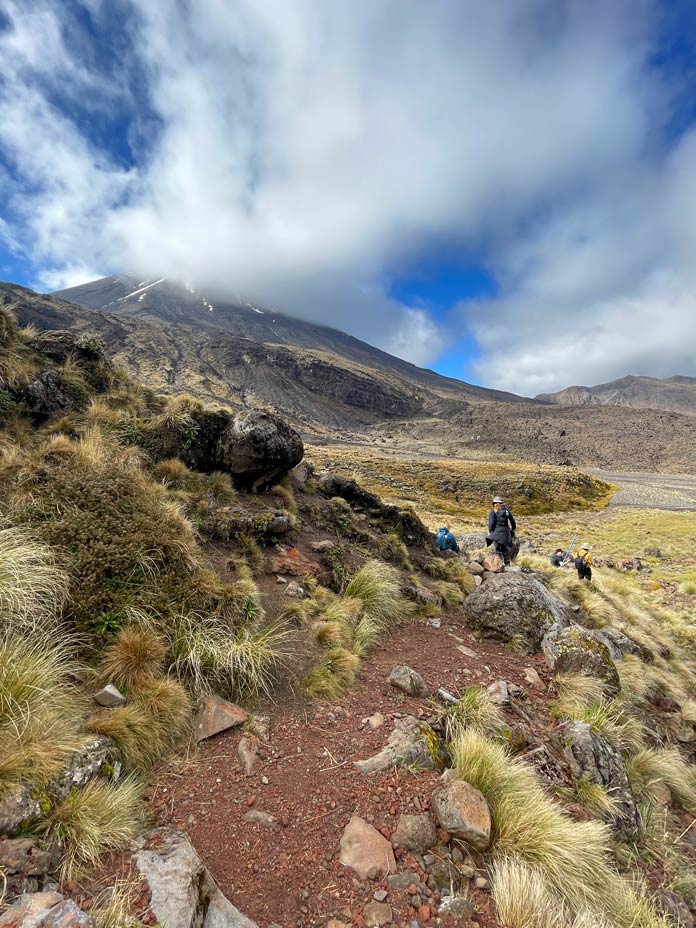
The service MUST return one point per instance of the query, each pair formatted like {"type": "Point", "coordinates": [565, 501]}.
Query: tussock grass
{"type": "Point", "coordinates": [112, 908]}
{"type": "Point", "coordinates": [243, 663]}
{"type": "Point", "coordinates": [451, 593]}
{"type": "Point", "coordinates": [335, 674]}
{"type": "Point", "coordinates": [473, 710]}
{"type": "Point", "coordinates": [101, 818]}
{"type": "Point", "coordinates": [576, 692]}
{"type": "Point", "coordinates": [652, 768]}
{"type": "Point", "coordinates": [571, 858]}
{"type": "Point", "coordinates": [377, 586]}
{"type": "Point", "coordinates": [595, 797]}
{"type": "Point", "coordinates": [623, 730]}
{"type": "Point", "coordinates": [40, 709]}
{"type": "Point", "coordinates": [33, 589]}
{"type": "Point", "coordinates": [134, 658]}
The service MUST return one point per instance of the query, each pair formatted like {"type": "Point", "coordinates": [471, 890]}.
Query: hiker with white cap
{"type": "Point", "coordinates": [583, 562]}
{"type": "Point", "coordinates": [501, 529]}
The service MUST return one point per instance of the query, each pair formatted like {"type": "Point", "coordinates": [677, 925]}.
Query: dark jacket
{"type": "Point", "coordinates": [501, 526]}
{"type": "Point", "coordinates": [446, 541]}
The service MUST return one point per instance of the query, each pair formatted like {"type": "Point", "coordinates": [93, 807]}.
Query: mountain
{"type": "Point", "coordinates": [161, 301]}
{"type": "Point", "coordinates": [673, 394]}
{"type": "Point", "coordinates": [335, 388]}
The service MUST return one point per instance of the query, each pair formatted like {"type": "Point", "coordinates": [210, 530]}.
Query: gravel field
{"type": "Point", "coordinates": [651, 491]}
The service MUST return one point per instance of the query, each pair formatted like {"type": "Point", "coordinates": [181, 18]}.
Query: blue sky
{"type": "Point", "coordinates": [501, 192]}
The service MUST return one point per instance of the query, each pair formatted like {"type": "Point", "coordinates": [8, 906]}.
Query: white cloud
{"type": "Point", "coordinates": [297, 153]}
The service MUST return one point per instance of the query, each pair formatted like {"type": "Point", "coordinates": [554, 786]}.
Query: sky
{"type": "Point", "coordinates": [502, 191]}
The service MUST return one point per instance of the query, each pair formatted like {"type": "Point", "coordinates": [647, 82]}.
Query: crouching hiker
{"type": "Point", "coordinates": [445, 540]}
{"type": "Point", "coordinates": [583, 562]}
{"type": "Point", "coordinates": [558, 557]}
{"type": "Point", "coordinates": [501, 529]}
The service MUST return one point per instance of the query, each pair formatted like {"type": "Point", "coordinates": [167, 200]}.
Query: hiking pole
{"type": "Point", "coordinates": [566, 556]}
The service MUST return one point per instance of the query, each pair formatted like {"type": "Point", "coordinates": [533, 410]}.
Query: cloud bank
{"type": "Point", "coordinates": [304, 154]}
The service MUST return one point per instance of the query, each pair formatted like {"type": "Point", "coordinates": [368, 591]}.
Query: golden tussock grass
{"type": "Point", "coordinates": [101, 818]}
{"type": "Point", "coordinates": [33, 589]}
{"type": "Point", "coordinates": [134, 658]}
{"type": "Point", "coordinates": [474, 709]}
{"type": "Point", "coordinates": [335, 673]}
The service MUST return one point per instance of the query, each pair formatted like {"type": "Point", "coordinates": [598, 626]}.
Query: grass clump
{"type": "Point", "coordinates": [652, 769]}
{"type": "Point", "coordinates": [135, 657]}
{"type": "Point", "coordinates": [113, 907]}
{"type": "Point", "coordinates": [40, 709]}
{"type": "Point", "coordinates": [335, 674]}
{"type": "Point", "coordinates": [103, 817]}
{"type": "Point", "coordinates": [473, 710]}
{"type": "Point", "coordinates": [207, 654]}
{"type": "Point", "coordinates": [571, 858]}
{"type": "Point", "coordinates": [33, 588]}
{"type": "Point", "coordinates": [377, 586]}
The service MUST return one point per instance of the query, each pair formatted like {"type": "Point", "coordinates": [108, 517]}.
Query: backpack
{"type": "Point", "coordinates": [580, 563]}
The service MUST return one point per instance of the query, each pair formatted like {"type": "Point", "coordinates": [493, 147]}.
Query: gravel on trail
{"type": "Point", "coordinates": [651, 491]}
{"type": "Point", "coordinates": [304, 778]}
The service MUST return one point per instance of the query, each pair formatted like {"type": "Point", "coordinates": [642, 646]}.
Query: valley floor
{"type": "Point", "coordinates": [651, 491]}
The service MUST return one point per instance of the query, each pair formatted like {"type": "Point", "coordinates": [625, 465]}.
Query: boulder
{"type": "Point", "coordinates": [47, 396]}
{"type": "Point", "coordinates": [418, 593]}
{"type": "Point", "coordinates": [474, 541]}
{"type": "Point", "coordinates": [493, 564]}
{"type": "Point", "coordinates": [30, 910]}
{"type": "Point", "coordinates": [67, 914]}
{"type": "Point", "coordinates": [476, 569]}
{"type": "Point", "coordinates": [620, 644]}
{"type": "Point", "coordinates": [109, 697]}
{"type": "Point", "coordinates": [516, 606]}
{"type": "Point", "coordinates": [406, 746]}
{"type": "Point", "coordinates": [415, 833]}
{"type": "Point", "coordinates": [59, 345]}
{"type": "Point", "coordinates": [183, 893]}
{"type": "Point", "coordinates": [302, 473]}
{"type": "Point", "coordinates": [578, 650]}
{"type": "Point", "coordinates": [408, 680]}
{"type": "Point", "coordinates": [18, 807]}
{"type": "Point", "coordinates": [215, 715]}
{"type": "Point", "coordinates": [27, 856]}
{"type": "Point", "coordinates": [499, 693]}
{"type": "Point", "coordinates": [364, 850]}
{"type": "Point", "coordinates": [589, 755]}
{"type": "Point", "coordinates": [463, 812]}
{"type": "Point", "coordinates": [259, 448]}
{"type": "Point", "coordinates": [97, 756]}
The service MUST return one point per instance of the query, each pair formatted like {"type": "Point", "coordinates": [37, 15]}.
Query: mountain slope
{"type": "Point", "coordinates": [673, 394]}
{"type": "Point", "coordinates": [159, 300]}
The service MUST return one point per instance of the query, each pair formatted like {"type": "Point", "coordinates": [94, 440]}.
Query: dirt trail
{"type": "Point", "coordinates": [651, 491]}
{"type": "Point", "coordinates": [305, 778]}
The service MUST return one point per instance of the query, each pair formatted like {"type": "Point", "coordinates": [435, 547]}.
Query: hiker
{"type": "Point", "coordinates": [558, 557]}
{"type": "Point", "coordinates": [501, 529]}
{"type": "Point", "coordinates": [445, 540]}
{"type": "Point", "coordinates": [583, 562]}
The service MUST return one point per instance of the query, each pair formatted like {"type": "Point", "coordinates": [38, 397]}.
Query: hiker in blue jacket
{"type": "Point", "coordinates": [445, 540]}
{"type": "Point", "coordinates": [501, 529]}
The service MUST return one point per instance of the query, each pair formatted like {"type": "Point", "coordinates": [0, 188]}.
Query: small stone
{"type": "Point", "coordinates": [25, 856]}
{"type": "Point", "coordinates": [216, 715]}
{"type": "Point", "coordinates": [365, 850]}
{"type": "Point", "coordinates": [532, 677]}
{"type": "Point", "coordinates": [376, 914]}
{"type": "Point", "coordinates": [462, 811]}
{"type": "Point", "coordinates": [401, 881]}
{"type": "Point", "coordinates": [499, 693]}
{"type": "Point", "coordinates": [481, 882]}
{"type": "Point", "coordinates": [408, 680]}
{"type": "Point", "coordinates": [247, 751]}
{"type": "Point", "coordinates": [281, 580]}
{"type": "Point", "coordinates": [458, 907]}
{"type": "Point", "coordinates": [257, 817]}
{"type": "Point", "coordinates": [415, 833]}
{"type": "Point", "coordinates": [380, 895]}
{"type": "Point", "coordinates": [376, 721]}
{"type": "Point", "coordinates": [264, 780]}
{"type": "Point", "coordinates": [109, 697]}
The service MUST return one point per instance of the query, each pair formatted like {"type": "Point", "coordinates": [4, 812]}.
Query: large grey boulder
{"type": "Point", "coordinates": [620, 645]}
{"type": "Point", "coordinates": [474, 541]}
{"type": "Point", "coordinates": [408, 680]}
{"type": "Point", "coordinates": [589, 755]}
{"type": "Point", "coordinates": [184, 894]}
{"type": "Point", "coordinates": [516, 605]}
{"type": "Point", "coordinates": [579, 650]}
{"type": "Point", "coordinates": [259, 448]}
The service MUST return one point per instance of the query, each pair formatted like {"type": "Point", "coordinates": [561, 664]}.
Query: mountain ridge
{"type": "Point", "coordinates": [669, 394]}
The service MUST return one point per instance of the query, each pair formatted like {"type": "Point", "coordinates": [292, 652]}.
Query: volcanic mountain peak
{"type": "Point", "coordinates": [671, 394]}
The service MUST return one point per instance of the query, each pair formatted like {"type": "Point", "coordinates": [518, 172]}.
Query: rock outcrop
{"type": "Point", "coordinates": [183, 893]}
{"type": "Point", "coordinates": [578, 650]}
{"type": "Point", "coordinates": [589, 755]}
{"type": "Point", "coordinates": [516, 606]}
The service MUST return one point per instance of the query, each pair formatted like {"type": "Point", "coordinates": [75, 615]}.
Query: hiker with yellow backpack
{"type": "Point", "coordinates": [583, 562]}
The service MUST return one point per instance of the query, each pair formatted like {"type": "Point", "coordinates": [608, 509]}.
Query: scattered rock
{"type": "Point", "coordinates": [247, 751]}
{"type": "Point", "coordinates": [293, 563]}
{"type": "Point", "coordinates": [653, 552]}
{"type": "Point", "coordinates": [363, 849]}
{"type": "Point", "coordinates": [17, 808]}
{"type": "Point", "coordinates": [257, 817]}
{"type": "Point", "coordinates": [376, 721]}
{"type": "Point", "coordinates": [67, 914]}
{"type": "Point", "coordinates": [109, 697]}
{"type": "Point", "coordinates": [97, 755]}
{"type": "Point", "coordinates": [380, 895]}
{"type": "Point", "coordinates": [474, 541]}
{"type": "Point", "coordinates": [493, 564]}
{"type": "Point", "coordinates": [457, 907]}
{"type": "Point", "coordinates": [673, 907]}
{"type": "Point", "coordinates": [406, 746]}
{"type": "Point", "coordinates": [408, 680]}
{"type": "Point", "coordinates": [295, 590]}
{"type": "Point", "coordinates": [516, 606]}
{"type": "Point", "coordinates": [498, 693]}
{"type": "Point", "coordinates": [376, 914]}
{"type": "Point", "coordinates": [463, 812]}
{"type": "Point", "coordinates": [476, 569]}
{"type": "Point", "coordinates": [591, 756]}
{"type": "Point", "coordinates": [620, 644]}
{"type": "Point", "coordinates": [415, 833]}
{"type": "Point", "coordinates": [215, 715]}
{"type": "Point", "coordinates": [421, 594]}
{"type": "Point", "coordinates": [321, 547]}
{"type": "Point", "coordinates": [30, 910]}
{"type": "Point", "coordinates": [183, 894]}
{"type": "Point", "coordinates": [444, 877]}
{"type": "Point", "coordinates": [26, 856]}
{"type": "Point", "coordinates": [576, 650]}
{"type": "Point", "coordinates": [532, 677]}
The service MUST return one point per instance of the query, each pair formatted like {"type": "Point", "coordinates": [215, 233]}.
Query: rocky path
{"type": "Point", "coordinates": [651, 491]}
{"type": "Point", "coordinates": [280, 864]}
